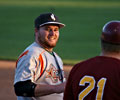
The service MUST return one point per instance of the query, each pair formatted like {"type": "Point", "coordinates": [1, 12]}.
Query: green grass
{"type": "Point", "coordinates": [62, 3]}
{"type": "Point", "coordinates": [79, 40]}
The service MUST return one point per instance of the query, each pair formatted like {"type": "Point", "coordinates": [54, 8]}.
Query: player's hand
{"type": "Point", "coordinates": [60, 88]}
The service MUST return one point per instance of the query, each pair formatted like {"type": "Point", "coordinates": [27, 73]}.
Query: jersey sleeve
{"type": "Point", "coordinates": [30, 66]}
{"type": "Point", "coordinates": [68, 93]}
{"type": "Point", "coordinates": [25, 68]}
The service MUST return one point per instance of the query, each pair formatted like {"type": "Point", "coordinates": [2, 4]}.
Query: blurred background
{"type": "Point", "coordinates": [79, 40]}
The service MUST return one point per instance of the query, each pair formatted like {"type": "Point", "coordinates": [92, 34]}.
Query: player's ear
{"type": "Point", "coordinates": [36, 30]}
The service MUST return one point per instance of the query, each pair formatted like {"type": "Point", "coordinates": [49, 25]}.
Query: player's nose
{"type": "Point", "coordinates": [52, 32]}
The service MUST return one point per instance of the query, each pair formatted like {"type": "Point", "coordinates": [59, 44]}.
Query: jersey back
{"type": "Point", "coordinates": [94, 79]}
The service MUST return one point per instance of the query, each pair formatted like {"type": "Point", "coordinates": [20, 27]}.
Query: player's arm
{"type": "Point", "coordinates": [29, 89]}
{"type": "Point", "coordinates": [25, 88]}
{"type": "Point", "coordinates": [42, 90]}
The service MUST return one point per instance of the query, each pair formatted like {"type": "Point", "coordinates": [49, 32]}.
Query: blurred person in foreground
{"type": "Point", "coordinates": [98, 78]}
{"type": "Point", "coordinates": [39, 70]}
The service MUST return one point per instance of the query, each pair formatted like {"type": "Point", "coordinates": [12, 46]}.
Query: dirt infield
{"type": "Point", "coordinates": [7, 69]}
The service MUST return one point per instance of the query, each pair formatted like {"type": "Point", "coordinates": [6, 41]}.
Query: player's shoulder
{"type": "Point", "coordinates": [83, 62]}
{"type": "Point", "coordinates": [34, 49]}
{"type": "Point", "coordinates": [31, 53]}
{"type": "Point", "coordinates": [57, 55]}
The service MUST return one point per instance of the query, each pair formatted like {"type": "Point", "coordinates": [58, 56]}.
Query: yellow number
{"type": "Point", "coordinates": [100, 85]}
{"type": "Point", "coordinates": [91, 86]}
{"type": "Point", "coordinates": [86, 91]}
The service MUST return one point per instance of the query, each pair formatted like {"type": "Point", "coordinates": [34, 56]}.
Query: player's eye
{"type": "Point", "coordinates": [56, 29]}
{"type": "Point", "coordinates": [47, 29]}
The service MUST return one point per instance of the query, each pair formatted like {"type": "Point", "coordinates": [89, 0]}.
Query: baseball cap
{"type": "Point", "coordinates": [111, 32]}
{"type": "Point", "coordinates": [47, 18]}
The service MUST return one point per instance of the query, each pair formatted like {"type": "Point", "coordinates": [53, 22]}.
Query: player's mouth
{"type": "Point", "coordinates": [51, 38]}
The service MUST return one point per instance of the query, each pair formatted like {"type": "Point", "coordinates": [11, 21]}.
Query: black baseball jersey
{"type": "Point", "coordinates": [97, 78]}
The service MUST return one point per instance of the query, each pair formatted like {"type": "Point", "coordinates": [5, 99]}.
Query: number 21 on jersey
{"type": "Point", "coordinates": [91, 86]}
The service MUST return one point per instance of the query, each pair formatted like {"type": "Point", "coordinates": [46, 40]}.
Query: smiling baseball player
{"type": "Point", "coordinates": [39, 70]}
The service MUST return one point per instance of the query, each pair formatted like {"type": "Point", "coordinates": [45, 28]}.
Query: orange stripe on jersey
{"type": "Point", "coordinates": [42, 64]}
{"type": "Point", "coordinates": [24, 53]}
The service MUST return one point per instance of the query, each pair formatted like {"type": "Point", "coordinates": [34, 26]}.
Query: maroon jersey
{"type": "Point", "coordinates": [97, 78]}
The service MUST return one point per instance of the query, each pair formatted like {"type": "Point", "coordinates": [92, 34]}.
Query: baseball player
{"type": "Point", "coordinates": [39, 70]}
{"type": "Point", "coordinates": [98, 78]}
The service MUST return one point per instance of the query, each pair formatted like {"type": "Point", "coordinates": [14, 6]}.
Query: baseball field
{"type": "Point", "coordinates": [7, 70]}
{"type": "Point", "coordinates": [79, 40]}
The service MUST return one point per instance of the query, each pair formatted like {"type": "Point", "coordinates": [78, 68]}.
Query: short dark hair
{"type": "Point", "coordinates": [110, 47]}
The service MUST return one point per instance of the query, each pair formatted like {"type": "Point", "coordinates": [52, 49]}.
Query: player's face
{"type": "Point", "coordinates": [48, 35]}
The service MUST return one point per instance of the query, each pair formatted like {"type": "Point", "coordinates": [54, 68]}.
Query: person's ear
{"type": "Point", "coordinates": [36, 30]}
